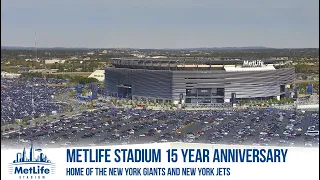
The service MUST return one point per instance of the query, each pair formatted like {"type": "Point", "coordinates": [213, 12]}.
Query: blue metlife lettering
{"type": "Point", "coordinates": [31, 170]}
{"type": "Point", "coordinates": [88, 155]}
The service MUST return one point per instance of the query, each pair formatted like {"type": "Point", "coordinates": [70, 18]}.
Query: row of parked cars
{"type": "Point", "coordinates": [125, 126]}
{"type": "Point", "coordinates": [29, 97]}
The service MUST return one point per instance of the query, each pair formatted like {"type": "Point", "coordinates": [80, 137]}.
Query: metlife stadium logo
{"type": "Point", "coordinates": [32, 164]}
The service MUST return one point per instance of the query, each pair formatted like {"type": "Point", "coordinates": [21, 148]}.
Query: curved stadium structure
{"type": "Point", "coordinates": [198, 81]}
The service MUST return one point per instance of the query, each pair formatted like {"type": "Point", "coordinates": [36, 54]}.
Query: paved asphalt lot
{"type": "Point", "coordinates": [18, 94]}
{"type": "Point", "coordinates": [115, 126]}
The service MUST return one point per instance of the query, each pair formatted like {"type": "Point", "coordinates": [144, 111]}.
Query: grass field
{"type": "Point", "coordinates": [307, 82]}
{"type": "Point", "coordinates": [84, 74]}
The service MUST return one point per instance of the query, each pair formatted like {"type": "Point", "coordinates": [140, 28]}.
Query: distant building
{"type": "Point", "coordinates": [159, 57]}
{"type": "Point", "coordinates": [54, 61]}
{"type": "Point", "coordinates": [35, 60]}
{"type": "Point", "coordinates": [98, 74]}
{"type": "Point", "coordinates": [138, 55]}
{"type": "Point", "coordinates": [9, 75]}
{"type": "Point", "coordinates": [282, 58]}
{"type": "Point", "coordinates": [74, 58]}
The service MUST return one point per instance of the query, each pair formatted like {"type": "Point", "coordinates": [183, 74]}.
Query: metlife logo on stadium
{"type": "Point", "coordinates": [32, 164]}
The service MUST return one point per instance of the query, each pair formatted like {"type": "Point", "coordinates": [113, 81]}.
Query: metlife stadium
{"type": "Point", "coordinates": [198, 81]}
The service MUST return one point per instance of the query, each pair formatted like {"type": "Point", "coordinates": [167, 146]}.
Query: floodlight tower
{"type": "Point", "coordinates": [32, 102]}
{"type": "Point", "coordinates": [35, 45]}
{"type": "Point", "coordinates": [32, 91]}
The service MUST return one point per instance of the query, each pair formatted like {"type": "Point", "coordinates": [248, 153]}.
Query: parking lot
{"type": "Point", "coordinates": [29, 97]}
{"type": "Point", "coordinates": [262, 127]}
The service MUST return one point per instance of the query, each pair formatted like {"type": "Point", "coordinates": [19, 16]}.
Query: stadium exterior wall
{"type": "Point", "coordinates": [145, 83]}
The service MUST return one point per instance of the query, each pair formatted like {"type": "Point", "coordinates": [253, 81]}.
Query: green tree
{"type": "Point", "coordinates": [60, 68]}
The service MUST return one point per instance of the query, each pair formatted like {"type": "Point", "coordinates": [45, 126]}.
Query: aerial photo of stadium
{"type": "Point", "coordinates": [199, 81]}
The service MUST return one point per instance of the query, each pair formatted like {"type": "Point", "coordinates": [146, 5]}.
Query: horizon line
{"type": "Point", "coordinates": [187, 48]}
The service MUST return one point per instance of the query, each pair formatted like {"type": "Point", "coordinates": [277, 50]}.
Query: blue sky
{"type": "Point", "coordinates": [161, 23]}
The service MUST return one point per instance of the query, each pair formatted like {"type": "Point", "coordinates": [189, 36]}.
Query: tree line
{"type": "Point", "coordinates": [72, 79]}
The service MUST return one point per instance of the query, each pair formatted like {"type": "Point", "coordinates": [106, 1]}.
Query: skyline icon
{"type": "Point", "coordinates": [23, 157]}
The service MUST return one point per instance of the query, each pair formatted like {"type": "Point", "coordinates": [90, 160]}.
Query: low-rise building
{"type": "Point", "coordinates": [98, 74]}
{"type": "Point", "coordinates": [9, 75]}
{"type": "Point", "coordinates": [54, 61]}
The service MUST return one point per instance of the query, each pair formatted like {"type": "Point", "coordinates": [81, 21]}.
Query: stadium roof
{"type": "Point", "coordinates": [168, 63]}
